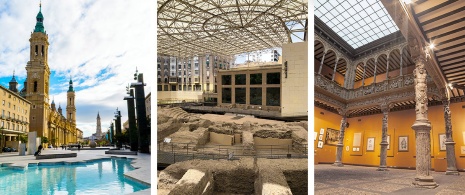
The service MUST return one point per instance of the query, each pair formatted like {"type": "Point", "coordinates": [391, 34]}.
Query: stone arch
{"type": "Point", "coordinates": [359, 74]}
{"type": "Point", "coordinates": [319, 50]}
{"type": "Point", "coordinates": [341, 71]}
{"type": "Point", "coordinates": [394, 63]}
{"type": "Point", "coordinates": [328, 64]}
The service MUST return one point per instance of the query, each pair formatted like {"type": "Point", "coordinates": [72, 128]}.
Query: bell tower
{"type": "Point", "coordinates": [38, 76]}
{"type": "Point", "coordinates": [70, 107]}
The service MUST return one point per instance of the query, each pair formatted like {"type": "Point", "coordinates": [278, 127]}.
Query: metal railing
{"type": "Point", "coordinates": [176, 152]}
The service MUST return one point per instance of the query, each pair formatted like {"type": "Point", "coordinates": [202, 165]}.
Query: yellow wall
{"type": "Point", "coordinates": [327, 120]}
{"type": "Point", "coordinates": [327, 71]}
{"type": "Point", "coordinates": [381, 77]}
{"type": "Point", "coordinates": [399, 124]}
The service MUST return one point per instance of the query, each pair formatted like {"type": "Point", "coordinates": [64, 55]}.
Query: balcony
{"type": "Point", "coordinates": [397, 89]}
{"type": "Point", "coordinates": [173, 80]}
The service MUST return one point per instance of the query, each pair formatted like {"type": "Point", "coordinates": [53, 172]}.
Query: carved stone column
{"type": "Point", "coordinates": [450, 144]}
{"type": "Point", "coordinates": [383, 153]}
{"type": "Point", "coordinates": [321, 64]}
{"type": "Point", "coordinates": [422, 127]}
{"type": "Point", "coordinates": [340, 144]}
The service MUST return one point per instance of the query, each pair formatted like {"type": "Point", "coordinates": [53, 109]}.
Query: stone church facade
{"type": "Point", "coordinates": [48, 121]}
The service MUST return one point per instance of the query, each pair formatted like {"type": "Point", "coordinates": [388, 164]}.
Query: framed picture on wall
{"type": "Point", "coordinates": [332, 137]}
{"type": "Point", "coordinates": [320, 138]}
{"type": "Point", "coordinates": [388, 139]}
{"type": "Point", "coordinates": [371, 144]}
{"type": "Point", "coordinates": [442, 142]}
{"type": "Point", "coordinates": [322, 131]}
{"type": "Point", "coordinates": [320, 144]}
{"type": "Point", "coordinates": [315, 135]}
{"type": "Point", "coordinates": [403, 143]}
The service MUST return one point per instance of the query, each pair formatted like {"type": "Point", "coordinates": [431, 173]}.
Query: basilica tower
{"type": "Point", "coordinates": [38, 75]}
{"type": "Point", "coordinates": [70, 107]}
{"type": "Point", "coordinates": [98, 134]}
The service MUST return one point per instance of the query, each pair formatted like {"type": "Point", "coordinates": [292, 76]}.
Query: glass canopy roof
{"type": "Point", "coordinates": [358, 22]}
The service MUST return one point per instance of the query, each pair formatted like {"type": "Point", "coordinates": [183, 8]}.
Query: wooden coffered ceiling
{"type": "Point", "coordinates": [443, 23]}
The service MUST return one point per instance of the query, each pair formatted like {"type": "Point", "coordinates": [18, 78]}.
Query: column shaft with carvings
{"type": "Point", "coordinates": [334, 71]}
{"type": "Point", "coordinates": [321, 63]}
{"type": "Point", "coordinates": [422, 127]}
{"type": "Point", "coordinates": [384, 143]}
{"type": "Point", "coordinates": [450, 144]}
{"type": "Point", "coordinates": [401, 62]}
{"type": "Point", "coordinates": [374, 73]}
{"type": "Point", "coordinates": [340, 144]}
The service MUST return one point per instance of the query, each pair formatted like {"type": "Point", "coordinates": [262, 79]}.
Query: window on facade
{"type": "Point", "coordinates": [226, 79]}
{"type": "Point", "coordinates": [3, 102]}
{"type": "Point", "coordinates": [240, 95]}
{"type": "Point", "coordinates": [256, 79]}
{"type": "Point", "coordinates": [226, 95]}
{"type": "Point", "coordinates": [273, 96]}
{"type": "Point", "coordinates": [43, 51]}
{"type": "Point", "coordinates": [35, 86]}
{"type": "Point", "coordinates": [273, 78]}
{"type": "Point", "coordinates": [159, 88]}
{"type": "Point", "coordinates": [166, 87]}
{"type": "Point", "coordinates": [240, 79]}
{"type": "Point", "coordinates": [37, 50]}
{"type": "Point", "coordinates": [256, 96]}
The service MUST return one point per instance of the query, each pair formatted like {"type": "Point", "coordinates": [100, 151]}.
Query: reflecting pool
{"type": "Point", "coordinates": [97, 177]}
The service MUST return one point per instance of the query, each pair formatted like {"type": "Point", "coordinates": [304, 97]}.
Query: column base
{"type": "Point", "coordinates": [338, 164]}
{"type": "Point", "coordinates": [452, 173]}
{"type": "Point", "coordinates": [425, 182]}
{"type": "Point", "coordinates": [382, 169]}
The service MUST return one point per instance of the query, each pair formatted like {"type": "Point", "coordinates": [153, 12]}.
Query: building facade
{"type": "Point", "coordinates": [188, 78]}
{"type": "Point", "coordinates": [148, 106]}
{"type": "Point", "coordinates": [269, 55]}
{"type": "Point", "coordinates": [277, 89]}
{"type": "Point", "coordinates": [14, 120]}
{"type": "Point", "coordinates": [44, 118]}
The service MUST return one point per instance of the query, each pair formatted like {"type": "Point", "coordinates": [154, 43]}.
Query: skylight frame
{"type": "Point", "coordinates": [368, 18]}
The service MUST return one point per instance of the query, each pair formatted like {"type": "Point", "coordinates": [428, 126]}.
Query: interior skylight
{"type": "Point", "coordinates": [357, 22]}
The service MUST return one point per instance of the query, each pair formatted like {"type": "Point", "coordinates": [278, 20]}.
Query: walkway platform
{"type": "Point", "coordinates": [366, 180]}
{"type": "Point", "coordinates": [50, 156]}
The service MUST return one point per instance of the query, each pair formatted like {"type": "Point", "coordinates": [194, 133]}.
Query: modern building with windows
{"type": "Point", "coordinates": [388, 86]}
{"type": "Point", "coordinates": [188, 79]}
{"type": "Point", "coordinates": [269, 89]}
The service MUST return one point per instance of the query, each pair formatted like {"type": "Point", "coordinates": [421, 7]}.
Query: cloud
{"type": "Point", "coordinates": [96, 43]}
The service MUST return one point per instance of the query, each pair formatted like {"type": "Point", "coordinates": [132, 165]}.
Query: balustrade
{"type": "Point", "coordinates": [386, 85]}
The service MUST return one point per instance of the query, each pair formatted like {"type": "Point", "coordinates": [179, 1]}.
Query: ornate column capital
{"type": "Point", "coordinates": [385, 106]}
{"type": "Point", "coordinates": [343, 111]}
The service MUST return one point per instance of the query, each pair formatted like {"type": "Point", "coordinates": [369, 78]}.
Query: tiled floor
{"type": "Point", "coordinates": [141, 162]}
{"type": "Point", "coordinates": [366, 180]}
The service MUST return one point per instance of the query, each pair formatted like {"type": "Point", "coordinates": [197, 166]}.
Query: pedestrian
{"type": "Point", "coordinates": [38, 150]}
{"type": "Point", "coordinates": [79, 147]}
{"type": "Point", "coordinates": [62, 147]}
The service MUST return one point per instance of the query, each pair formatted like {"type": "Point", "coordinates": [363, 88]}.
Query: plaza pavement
{"type": "Point", "coordinates": [366, 180]}
{"type": "Point", "coordinates": [141, 162]}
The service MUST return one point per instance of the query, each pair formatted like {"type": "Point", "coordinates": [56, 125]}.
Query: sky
{"type": "Point", "coordinates": [98, 44]}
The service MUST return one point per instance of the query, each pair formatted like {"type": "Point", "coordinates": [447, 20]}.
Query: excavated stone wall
{"type": "Point", "coordinates": [242, 176]}
{"type": "Point", "coordinates": [183, 127]}
{"type": "Point", "coordinates": [234, 177]}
